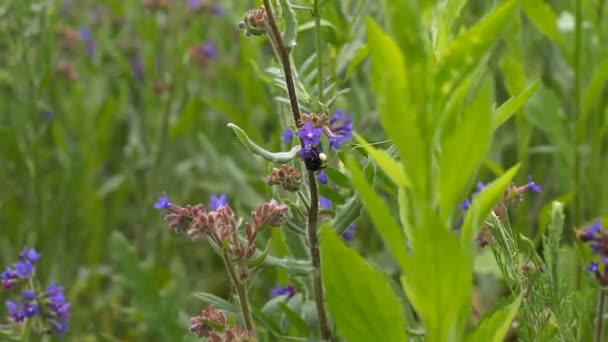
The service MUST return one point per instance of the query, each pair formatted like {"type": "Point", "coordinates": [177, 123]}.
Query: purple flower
{"type": "Point", "coordinates": [14, 312]}
{"type": "Point", "coordinates": [29, 254]}
{"type": "Point", "coordinates": [594, 267]}
{"type": "Point", "coordinates": [218, 10]}
{"type": "Point", "coordinates": [194, 5]}
{"type": "Point", "coordinates": [28, 295]}
{"type": "Point", "coordinates": [532, 186]}
{"type": "Point", "coordinates": [322, 177]}
{"type": "Point", "coordinates": [89, 43]}
{"type": "Point", "coordinates": [336, 140]}
{"type": "Point", "coordinates": [341, 128]}
{"type": "Point", "coordinates": [8, 273]}
{"type": "Point", "coordinates": [287, 135]}
{"type": "Point", "coordinates": [288, 291]}
{"type": "Point", "coordinates": [465, 205]}
{"type": "Point", "coordinates": [162, 203]}
{"type": "Point", "coordinates": [309, 134]}
{"type": "Point", "coordinates": [30, 309]}
{"type": "Point", "coordinates": [23, 269]}
{"type": "Point", "coordinates": [137, 67]}
{"type": "Point", "coordinates": [349, 234]}
{"type": "Point", "coordinates": [325, 202]}
{"type": "Point", "coordinates": [590, 232]}
{"type": "Point", "coordinates": [59, 308]}
{"type": "Point", "coordinates": [208, 49]}
{"type": "Point", "coordinates": [215, 202]}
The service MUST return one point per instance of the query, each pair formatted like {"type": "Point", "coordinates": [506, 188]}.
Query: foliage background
{"type": "Point", "coordinates": [82, 161]}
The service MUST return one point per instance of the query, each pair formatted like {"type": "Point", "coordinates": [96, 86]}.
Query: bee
{"type": "Point", "coordinates": [314, 159]}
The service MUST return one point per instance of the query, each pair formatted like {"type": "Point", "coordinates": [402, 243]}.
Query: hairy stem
{"type": "Point", "coordinates": [284, 60]}
{"type": "Point", "coordinates": [241, 291]}
{"type": "Point", "coordinates": [599, 333]}
{"type": "Point", "coordinates": [313, 212]}
{"type": "Point", "coordinates": [319, 47]}
{"type": "Point", "coordinates": [315, 254]}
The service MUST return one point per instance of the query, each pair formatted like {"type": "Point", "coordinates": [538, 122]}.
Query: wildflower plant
{"type": "Point", "coordinates": [32, 309]}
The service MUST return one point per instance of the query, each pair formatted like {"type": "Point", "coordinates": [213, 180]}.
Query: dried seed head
{"type": "Point", "coordinates": [255, 22]}
{"type": "Point", "coordinates": [210, 319]}
{"type": "Point", "coordinates": [286, 177]}
{"type": "Point", "coordinates": [270, 214]}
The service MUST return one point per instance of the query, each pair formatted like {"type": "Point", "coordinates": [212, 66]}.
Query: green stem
{"type": "Point", "coordinates": [576, 111]}
{"type": "Point", "coordinates": [241, 291]}
{"type": "Point", "coordinates": [579, 126]}
{"type": "Point", "coordinates": [599, 333]}
{"type": "Point", "coordinates": [319, 44]}
{"type": "Point", "coordinates": [313, 212]}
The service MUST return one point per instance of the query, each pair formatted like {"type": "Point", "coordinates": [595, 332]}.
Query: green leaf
{"type": "Point", "coordinates": [468, 49]}
{"type": "Point", "coordinates": [158, 312]}
{"type": "Point", "coordinates": [513, 104]}
{"type": "Point", "coordinates": [495, 327]}
{"type": "Point", "coordinates": [291, 24]}
{"type": "Point", "coordinates": [464, 149]}
{"type": "Point", "coordinates": [338, 177]}
{"type": "Point", "coordinates": [275, 157]}
{"type": "Point", "coordinates": [484, 202]}
{"type": "Point", "coordinates": [446, 12]}
{"type": "Point", "coordinates": [595, 87]}
{"type": "Point", "coordinates": [359, 56]}
{"type": "Point", "coordinates": [331, 194]}
{"type": "Point", "coordinates": [392, 168]}
{"type": "Point", "coordinates": [357, 291]}
{"type": "Point", "coordinates": [379, 212]}
{"type": "Point", "coordinates": [398, 117]}
{"type": "Point", "coordinates": [346, 214]}
{"type": "Point", "coordinates": [295, 267]}
{"type": "Point", "coordinates": [551, 243]}
{"type": "Point", "coordinates": [437, 281]}
{"type": "Point", "coordinates": [542, 16]}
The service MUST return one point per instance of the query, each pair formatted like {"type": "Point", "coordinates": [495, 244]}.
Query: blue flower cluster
{"type": "Point", "coordinates": [21, 270]}
{"type": "Point", "coordinates": [50, 306]}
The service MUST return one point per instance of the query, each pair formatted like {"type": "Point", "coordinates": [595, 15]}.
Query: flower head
{"type": "Point", "coordinates": [14, 311]}
{"type": "Point", "coordinates": [278, 290]}
{"type": "Point", "coordinates": [28, 295]}
{"type": "Point", "coordinates": [591, 232]}
{"type": "Point", "coordinates": [208, 49]}
{"type": "Point", "coordinates": [215, 202]}
{"type": "Point", "coordinates": [218, 10]}
{"type": "Point", "coordinates": [87, 37]}
{"type": "Point", "coordinates": [29, 254]}
{"type": "Point", "coordinates": [465, 205]}
{"type": "Point", "coordinates": [349, 234]}
{"type": "Point", "coordinates": [59, 308]}
{"type": "Point", "coordinates": [531, 186]}
{"type": "Point", "coordinates": [309, 134]}
{"type": "Point", "coordinates": [23, 269]}
{"type": "Point", "coordinates": [340, 129]}
{"type": "Point", "coordinates": [322, 177]}
{"type": "Point", "coordinates": [287, 135]}
{"type": "Point", "coordinates": [325, 202]}
{"type": "Point", "coordinates": [593, 267]}
{"type": "Point", "coordinates": [163, 203]}
{"type": "Point", "coordinates": [137, 68]}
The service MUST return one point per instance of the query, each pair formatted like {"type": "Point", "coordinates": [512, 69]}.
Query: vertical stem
{"type": "Point", "coordinates": [241, 291]}
{"type": "Point", "coordinates": [319, 46]}
{"type": "Point", "coordinates": [599, 333]}
{"type": "Point", "coordinates": [580, 126]}
{"type": "Point", "coordinates": [315, 254]}
{"type": "Point", "coordinates": [579, 122]}
{"type": "Point", "coordinates": [313, 212]}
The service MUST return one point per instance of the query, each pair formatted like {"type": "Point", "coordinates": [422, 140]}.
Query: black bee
{"type": "Point", "coordinates": [313, 158]}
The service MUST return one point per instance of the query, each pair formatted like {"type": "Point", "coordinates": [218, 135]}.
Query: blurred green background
{"type": "Point", "coordinates": [105, 105]}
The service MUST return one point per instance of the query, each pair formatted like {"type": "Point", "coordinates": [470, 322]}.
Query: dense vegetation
{"type": "Point", "coordinates": [286, 170]}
